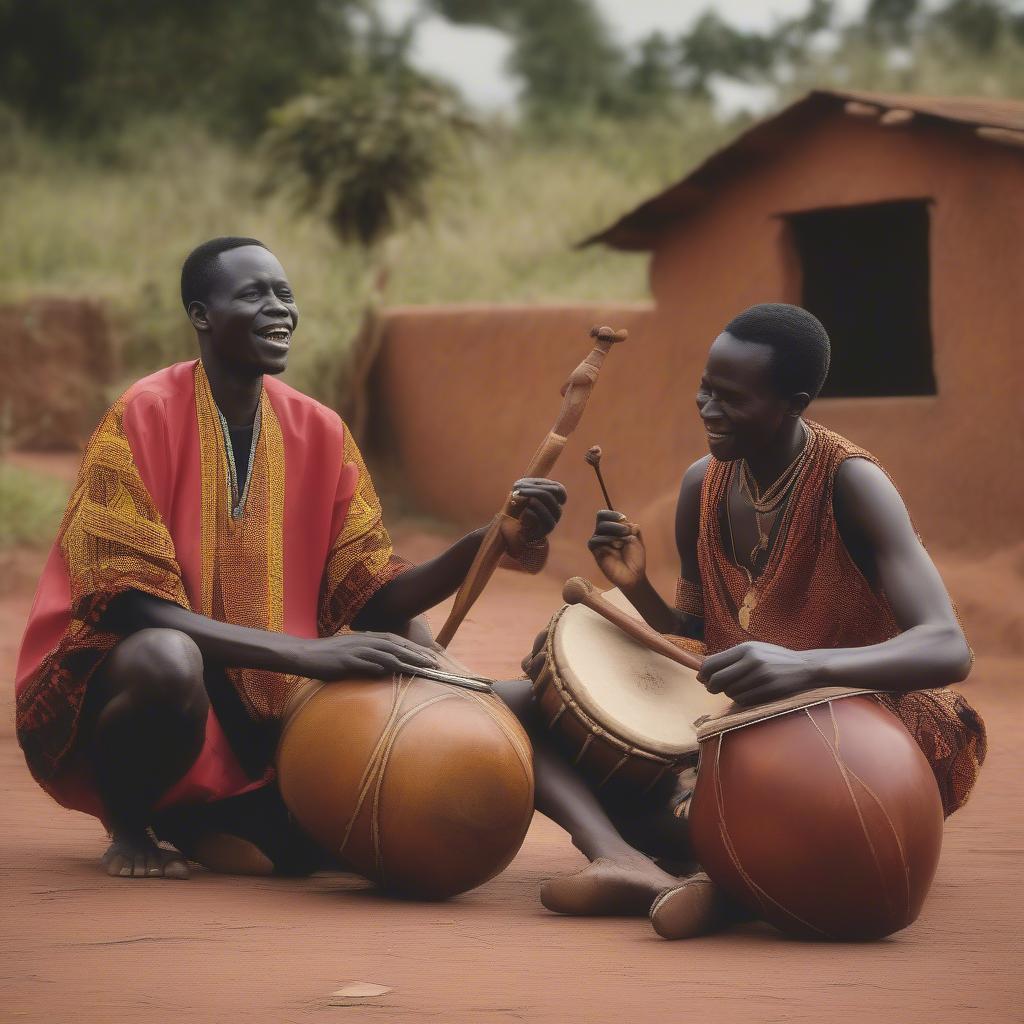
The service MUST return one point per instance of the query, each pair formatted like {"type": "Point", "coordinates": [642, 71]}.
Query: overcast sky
{"type": "Point", "coordinates": [474, 58]}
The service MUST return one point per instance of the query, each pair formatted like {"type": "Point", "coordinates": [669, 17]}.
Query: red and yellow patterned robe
{"type": "Point", "coordinates": [151, 511]}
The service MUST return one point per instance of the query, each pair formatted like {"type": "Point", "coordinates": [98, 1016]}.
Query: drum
{"type": "Point", "coordinates": [622, 713]}
{"type": "Point", "coordinates": [818, 813]}
{"type": "Point", "coordinates": [421, 786]}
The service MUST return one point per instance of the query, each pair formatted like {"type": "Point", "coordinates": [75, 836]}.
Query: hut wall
{"type": "Point", "coordinates": [952, 454]}
{"type": "Point", "coordinates": [464, 394]}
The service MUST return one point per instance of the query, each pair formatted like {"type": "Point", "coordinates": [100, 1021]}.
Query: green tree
{"type": "Point", "coordinates": [361, 151]}
{"type": "Point", "coordinates": [891, 21]}
{"type": "Point", "coordinates": [89, 65]}
{"type": "Point", "coordinates": [562, 51]}
{"type": "Point", "coordinates": [976, 24]}
{"type": "Point", "coordinates": [713, 46]}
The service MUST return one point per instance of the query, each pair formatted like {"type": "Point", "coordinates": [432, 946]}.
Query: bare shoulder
{"type": "Point", "coordinates": [693, 480]}
{"type": "Point", "coordinates": [866, 501]}
{"type": "Point", "coordinates": [688, 513]}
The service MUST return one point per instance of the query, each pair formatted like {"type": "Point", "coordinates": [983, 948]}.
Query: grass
{"type": "Point", "coordinates": [31, 507]}
{"type": "Point", "coordinates": [116, 225]}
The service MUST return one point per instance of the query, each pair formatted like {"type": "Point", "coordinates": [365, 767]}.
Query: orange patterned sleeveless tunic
{"type": "Point", "coordinates": [811, 595]}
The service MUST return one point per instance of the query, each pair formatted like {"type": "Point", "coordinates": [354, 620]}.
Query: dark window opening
{"type": "Point", "coordinates": [866, 278]}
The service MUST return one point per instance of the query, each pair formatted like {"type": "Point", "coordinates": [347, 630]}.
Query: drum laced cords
{"type": "Point", "coordinates": [847, 774]}
{"type": "Point", "coordinates": [377, 763]}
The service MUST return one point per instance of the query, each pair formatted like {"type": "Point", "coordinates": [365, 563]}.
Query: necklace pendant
{"type": "Point", "coordinates": [746, 608]}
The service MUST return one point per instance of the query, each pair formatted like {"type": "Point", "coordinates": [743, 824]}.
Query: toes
{"type": "Point", "coordinates": [121, 862]}
{"type": "Point", "coordinates": [115, 865]}
{"type": "Point", "coordinates": [689, 910]}
{"type": "Point", "coordinates": [176, 868]}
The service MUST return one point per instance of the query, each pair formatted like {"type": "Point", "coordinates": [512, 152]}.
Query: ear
{"type": "Point", "coordinates": [198, 316]}
{"type": "Point", "coordinates": [798, 403]}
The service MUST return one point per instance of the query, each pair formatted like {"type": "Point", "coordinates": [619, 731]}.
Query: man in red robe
{"type": "Point", "coordinates": [223, 540]}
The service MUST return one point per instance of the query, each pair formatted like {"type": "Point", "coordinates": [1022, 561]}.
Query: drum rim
{"type": "Point", "coordinates": [708, 728]}
{"type": "Point", "coordinates": [570, 703]}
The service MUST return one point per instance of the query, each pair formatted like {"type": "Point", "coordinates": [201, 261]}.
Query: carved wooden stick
{"type": "Point", "coordinates": [577, 590]}
{"type": "Point", "coordinates": [575, 393]}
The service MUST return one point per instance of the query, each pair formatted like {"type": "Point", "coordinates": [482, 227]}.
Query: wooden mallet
{"type": "Point", "coordinates": [593, 458]}
{"type": "Point", "coordinates": [578, 590]}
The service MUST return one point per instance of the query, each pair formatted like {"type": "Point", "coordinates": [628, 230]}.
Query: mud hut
{"type": "Point", "coordinates": [896, 219]}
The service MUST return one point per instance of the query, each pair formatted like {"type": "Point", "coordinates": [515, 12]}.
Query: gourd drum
{"type": "Point", "coordinates": [424, 787]}
{"type": "Point", "coordinates": [819, 813]}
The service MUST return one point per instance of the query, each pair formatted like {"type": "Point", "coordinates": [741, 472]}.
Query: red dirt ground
{"type": "Point", "coordinates": [78, 946]}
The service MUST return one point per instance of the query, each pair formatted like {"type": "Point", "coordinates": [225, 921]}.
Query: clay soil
{"type": "Point", "coordinates": [77, 946]}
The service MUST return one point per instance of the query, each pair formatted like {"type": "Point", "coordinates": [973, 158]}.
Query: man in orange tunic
{"type": "Point", "coordinates": [223, 540]}
{"type": "Point", "coordinates": [799, 567]}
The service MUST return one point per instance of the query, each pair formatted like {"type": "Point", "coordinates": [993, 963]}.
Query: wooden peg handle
{"type": "Point", "coordinates": [577, 590]}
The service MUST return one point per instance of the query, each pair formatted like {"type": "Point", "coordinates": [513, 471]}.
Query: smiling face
{"type": "Point", "coordinates": [738, 400]}
{"type": "Point", "coordinates": [249, 316]}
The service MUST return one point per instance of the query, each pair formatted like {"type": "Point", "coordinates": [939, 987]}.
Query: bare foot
{"type": "Point", "coordinates": [136, 855]}
{"type": "Point", "coordinates": [606, 887]}
{"type": "Point", "coordinates": [696, 907]}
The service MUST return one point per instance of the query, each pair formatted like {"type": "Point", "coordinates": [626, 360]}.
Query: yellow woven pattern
{"type": "Point", "coordinates": [113, 539]}
{"type": "Point", "coordinates": [361, 559]}
{"type": "Point", "coordinates": [243, 572]}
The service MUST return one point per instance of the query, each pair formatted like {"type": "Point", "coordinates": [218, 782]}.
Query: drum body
{"type": "Point", "coordinates": [823, 818]}
{"type": "Point", "coordinates": [621, 713]}
{"type": "Point", "coordinates": [423, 787]}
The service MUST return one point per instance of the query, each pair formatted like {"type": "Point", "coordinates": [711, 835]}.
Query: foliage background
{"type": "Point", "coordinates": [134, 131]}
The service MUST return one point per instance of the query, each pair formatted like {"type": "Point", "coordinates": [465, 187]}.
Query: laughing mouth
{"type": "Point", "coordinates": [276, 333]}
{"type": "Point", "coordinates": [714, 435]}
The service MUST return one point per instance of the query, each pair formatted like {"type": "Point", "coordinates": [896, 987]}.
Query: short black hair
{"type": "Point", "coordinates": [800, 347]}
{"type": "Point", "coordinates": [200, 265]}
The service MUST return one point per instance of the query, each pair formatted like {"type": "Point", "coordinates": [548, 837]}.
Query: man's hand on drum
{"type": "Point", "coordinates": [543, 507]}
{"type": "Point", "coordinates": [361, 654]}
{"type": "Point", "coordinates": [753, 673]}
{"type": "Point", "coordinates": [618, 549]}
{"type": "Point", "coordinates": [534, 661]}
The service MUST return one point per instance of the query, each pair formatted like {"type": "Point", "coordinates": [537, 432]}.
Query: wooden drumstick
{"type": "Point", "coordinates": [577, 590]}
{"type": "Point", "coordinates": [593, 458]}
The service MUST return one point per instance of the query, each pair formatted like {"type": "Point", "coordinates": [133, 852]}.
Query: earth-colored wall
{"type": "Point", "coordinates": [63, 359]}
{"type": "Point", "coordinates": [952, 454]}
{"type": "Point", "coordinates": [466, 393]}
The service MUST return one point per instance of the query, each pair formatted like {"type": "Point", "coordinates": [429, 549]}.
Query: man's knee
{"type": "Point", "coordinates": [161, 668]}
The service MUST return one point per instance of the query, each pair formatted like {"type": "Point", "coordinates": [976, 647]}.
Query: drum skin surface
{"type": "Point", "coordinates": [623, 714]}
{"type": "Point", "coordinates": [825, 821]}
{"type": "Point", "coordinates": [637, 694]}
{"type": "Point", "coordinates": [422, 787]}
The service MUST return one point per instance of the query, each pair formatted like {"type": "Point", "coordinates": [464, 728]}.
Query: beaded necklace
{"type": "Point", "coordinates": [774, 495]}
{"type": "Point", "coordinates": [763, 505]}
{"type": "Point", "coordinates": [238, 500]}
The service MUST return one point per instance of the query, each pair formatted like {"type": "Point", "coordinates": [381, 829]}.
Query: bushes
{"type": "Point", "coordinates": [114, 226]}
{"type": "Point", "coordinates": [31, 506]}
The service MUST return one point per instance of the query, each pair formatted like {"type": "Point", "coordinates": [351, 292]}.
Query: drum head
{"type": "Point", "coordinates": [641, 697]}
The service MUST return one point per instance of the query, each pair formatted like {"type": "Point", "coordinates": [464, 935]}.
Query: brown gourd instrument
{"type": "Point", "coordinates": [575, 394]}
